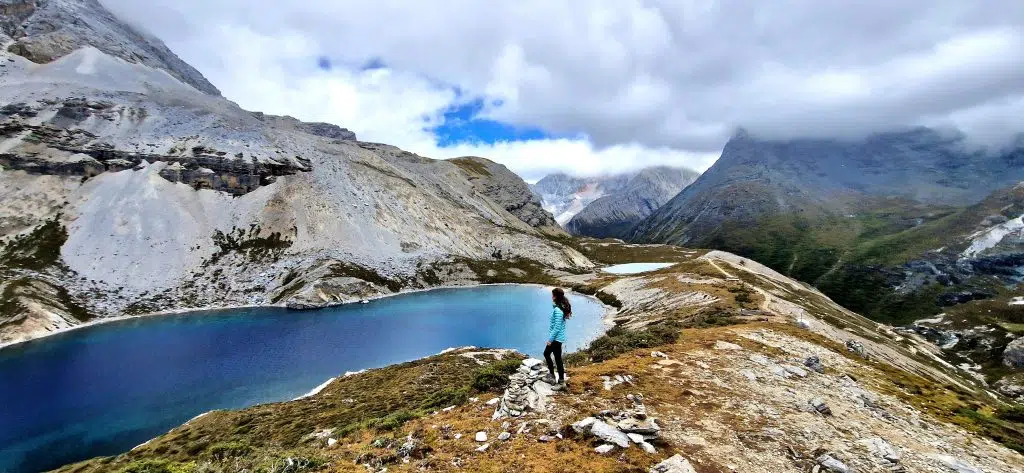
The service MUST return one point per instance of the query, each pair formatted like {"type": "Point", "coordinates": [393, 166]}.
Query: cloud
{"type": "Point", "coordinates": [614, 84]}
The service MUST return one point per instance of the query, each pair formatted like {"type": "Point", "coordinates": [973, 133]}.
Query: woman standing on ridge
{"type": "Point", "coordinates": [561, 310]}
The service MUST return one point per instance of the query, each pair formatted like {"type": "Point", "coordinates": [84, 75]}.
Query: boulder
{"type": "Point", "coordinates": [609, 434]}
{"type": "Point", "coordinates": [674, 464]}
{"type": "Point", "coordinates": [1013, 355]}
{"type": "Point", "coordinates": [831, 464]}
{"type": "Point", "coordinates": [814, 364]}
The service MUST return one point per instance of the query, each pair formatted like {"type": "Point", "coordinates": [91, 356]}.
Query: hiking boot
{"type": "Point", "coordinates": [549, 378]}
{"type": "Point", "coordinates": [559, 386]}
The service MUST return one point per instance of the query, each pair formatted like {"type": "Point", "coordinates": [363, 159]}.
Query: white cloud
{"type": "Point", "coordinates": [641, 82]}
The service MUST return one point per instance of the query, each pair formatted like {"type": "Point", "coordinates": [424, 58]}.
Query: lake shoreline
{"type": "Point", "coordinates": [606, 317]}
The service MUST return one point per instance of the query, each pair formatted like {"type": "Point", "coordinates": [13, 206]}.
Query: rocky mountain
{"type": "Point", "coordinates": [614, 215]}
{"type": "Point", "coordinates": [898, 226]}
{"type": "Point", "coordinates": [128, 186]}
{"type": "Point", "coordinates": [44, 30]}
{"type": "Point", "coordinates": [565, 196]}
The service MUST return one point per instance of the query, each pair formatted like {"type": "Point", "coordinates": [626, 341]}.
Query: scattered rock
{"type": "Point", "coordinates": [483, 448]}
{"type": "Point", "coordinates": [720, 345]}
{"type": "Point", "coordinates": [612, 381]}
{"type": "Point", "coordinates": [645, 427]}
{"type": "Point", "coordinates": [830, 463]}
{"type": "Point", "coordinates": [814, 364]}
{"type": "Point", "coordinates": [584, 425]}
{"type": "Point", "coordinates": [494, 401]}
{"type": "Point", "coordinates": [545, 438]}
{"type": "Point", "coordinates": [331, 442]}
{"type": "Point", "coordinates": [857, 347]}
{"type": "Point", "coordinates": [648, 447]}
{"type": "Point", "coordinates": [796, 370]}
{"type": "Point", "coordinates": [609, 434]}
{"type": "Point", "coordinates": [954, 464]}
{"type": "Point", "coordinates": [674, 464]}
{"type": "Point", "coordinates": [636, 438]}
{"type": "Point", "coordinates": [504, 436]}
{"type": "Point", "coordinates": [606, 448]}
{"type": "Point", "coordinates": [481, 436]}
{"type": "Point", "coordinates": [820, 407]}
{"type": "Point", "coordinates": [658, 354]}
{"type": "Point", "coordinates": [882, 449]}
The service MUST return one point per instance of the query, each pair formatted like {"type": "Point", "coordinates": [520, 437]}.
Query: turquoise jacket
{"type": "Point", "coordinates": [556, 329]}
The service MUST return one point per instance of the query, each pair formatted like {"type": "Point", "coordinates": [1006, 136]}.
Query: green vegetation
{"type": "Point", "coordinates": [250, 243]}
{"type": "Point", "coordinates": [494, 377]}
{"type": "Point", "coordinates": [471, 166]}
{"type": "Point", "coordinates": [619, 340]}
{"type": "Point", "coordinates": [37, 250]}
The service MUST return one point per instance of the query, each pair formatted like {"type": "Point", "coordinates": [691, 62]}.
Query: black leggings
{"type": "Point", "coordinates": [555, 348]}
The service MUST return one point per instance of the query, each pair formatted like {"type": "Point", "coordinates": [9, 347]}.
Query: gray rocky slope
{"type": "Point", "coordinates": [124, 188]}
{"type": "Point", "coordinates": [755, 178]}
{"type": "Point", "coordinates": [614, 215]}
{"type": "Point", "coordinates": [44, 30]}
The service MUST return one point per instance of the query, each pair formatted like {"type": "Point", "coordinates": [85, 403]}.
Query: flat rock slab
{"type": "Point", "coordinates": [674, 464]}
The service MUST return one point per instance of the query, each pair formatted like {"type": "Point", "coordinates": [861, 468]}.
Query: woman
{"type": "Point", "coordinates": [561, 310]}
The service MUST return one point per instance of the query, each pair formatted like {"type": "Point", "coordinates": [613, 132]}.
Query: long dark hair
{"type": "Point", "coordinates": [562, 302]}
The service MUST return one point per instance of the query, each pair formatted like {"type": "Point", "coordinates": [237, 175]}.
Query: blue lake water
{"type": "Point", "coordinates": [104, 389]}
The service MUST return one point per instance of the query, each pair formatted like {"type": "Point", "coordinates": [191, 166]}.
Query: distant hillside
{"type": "Point", "coordinates": [565, 196]}
{"type": "Point", "coordinates": [898, 226]}
{"type": "Point", "coordinates": [615, 214]}
{"type": "Point", "coordinates": [621, 198]}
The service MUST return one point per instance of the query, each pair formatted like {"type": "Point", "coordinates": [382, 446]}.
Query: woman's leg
{"type": "Point", "coordinates": [556, 348]}
{"type": "Point", "coordinates": [547, 357]}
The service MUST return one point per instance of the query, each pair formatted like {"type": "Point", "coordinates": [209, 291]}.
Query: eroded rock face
{"type": "Point", "coordinates": [502, 186]}
{"type": "Point", "coordinates": [46, 31]}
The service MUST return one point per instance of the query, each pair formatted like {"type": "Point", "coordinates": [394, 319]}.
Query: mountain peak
{"type": "Point", "coordinates": [46, 31]}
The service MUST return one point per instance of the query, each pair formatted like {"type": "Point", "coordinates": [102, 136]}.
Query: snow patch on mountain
{"type": "Point", "coordinates": [991, 237]}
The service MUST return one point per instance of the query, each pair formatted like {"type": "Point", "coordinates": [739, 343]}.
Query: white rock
{"type": "Point", "coordinates": [584, 425]}
{"type": "Point", "coordinates": [720, 345]}
{"type": "Point", "coordinates": [494, 401]}
{"type": "Point", "coordinates": [533, 363]}
{"type": "Point", "coordinates": [332, 442]}
{"type": "Point", "coordinates": [636, 438]}
{"type": "Point", "coordinates": [658, 354]}
{"type": "Point", "coordinates": [603, 449]}
{"type": "Point", "coordinates": [796, 370]}
{"type": "Point", "coordinates": [609, 434]}
{"type": "Point", "coordinates": [954, 464]}
{"type": "Point", "coordinates": [483, 448]}
{"type": "Point", "coordinates": [881, 449]}
{"type": "Point", "coordinates": [481, 436]}
{"type": "Point", "coordinates": [504, 436]}
{"type": "Point", "coordinates": [648, 447]}
{"type": "Point", "coordinates": [674, 464]}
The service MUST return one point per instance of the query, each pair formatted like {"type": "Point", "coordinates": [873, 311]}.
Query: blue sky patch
{"type": "Point", "coordinates": [462, 125]}
{"type": "Point", "coordinates": [324, 63]}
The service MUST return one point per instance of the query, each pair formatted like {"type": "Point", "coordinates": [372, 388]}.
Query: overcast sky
{"type": "Point", "coordinates": [606, 85]}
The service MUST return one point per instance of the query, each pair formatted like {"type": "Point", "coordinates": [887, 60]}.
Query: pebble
{"type": "Point", "coordinates": [481, 436]}
{"type": "Point", "coordinates": [603, 449]}
{"type": "Point", "coordinates": [483, 448]}
{"type": "Point", "coordinates": [544, 438]}
{"type": "Point", "coordinates": [504, 436]}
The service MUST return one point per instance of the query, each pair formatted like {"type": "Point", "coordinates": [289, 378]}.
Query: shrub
{"type": "Point", "coordinates": [444, 398]}
{"type": "Point", "coordinates": [619, 340]}
{"type": "Point", "coordinates": [158, 466]}
{"type": "Point", "coordinates": [494, 377]}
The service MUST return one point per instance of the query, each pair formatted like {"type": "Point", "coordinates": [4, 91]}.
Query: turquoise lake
{"type": "Point", "coordinates": [104, 389]}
